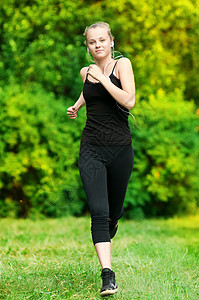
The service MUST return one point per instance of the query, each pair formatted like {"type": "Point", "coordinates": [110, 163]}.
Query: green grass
{"type": "Point", "coordinates": [55, 259]}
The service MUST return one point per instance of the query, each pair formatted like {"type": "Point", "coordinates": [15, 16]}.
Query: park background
{"type": "Point", "coordinates": [46, 251]}
{"type": "Point", "coordinates": [41, 53]}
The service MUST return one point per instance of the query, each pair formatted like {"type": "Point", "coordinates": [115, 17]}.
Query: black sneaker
{"type": "Point", "coordinates": [113, 228]}
{"type": "Point", "coordinates": [109, 286]}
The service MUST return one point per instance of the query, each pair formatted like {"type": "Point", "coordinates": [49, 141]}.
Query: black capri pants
{"type": "Point", "coordinates": [105, 171]}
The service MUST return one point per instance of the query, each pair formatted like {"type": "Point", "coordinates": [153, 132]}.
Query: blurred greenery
{"type": "Point", "coordinates": [38, 153]}
{"type": "Point", "coordinates": [41, 54]}
{"type": "Point", "coordinates": [165, 142]}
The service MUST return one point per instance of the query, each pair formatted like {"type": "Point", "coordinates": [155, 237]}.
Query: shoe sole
{"type": "Point", "coordinates": [108, 292]}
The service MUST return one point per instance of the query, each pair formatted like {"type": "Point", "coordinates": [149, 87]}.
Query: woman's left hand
{"type": "Point", "coordinates": [95, 72]}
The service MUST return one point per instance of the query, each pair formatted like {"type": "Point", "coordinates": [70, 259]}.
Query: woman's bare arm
{"type": "Point", "coordinates": [72, 111]}
{"type": "Point", "coordinates": [80, 102]}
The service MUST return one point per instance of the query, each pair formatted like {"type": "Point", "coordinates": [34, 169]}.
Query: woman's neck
{"type": "Point", "coordinates": [102, 64]}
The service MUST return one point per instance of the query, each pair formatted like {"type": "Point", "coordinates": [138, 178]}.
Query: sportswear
{"type": "Point", "coordinates": [109, 286]}
{"type": "Point", "coordinates": [107, 120]}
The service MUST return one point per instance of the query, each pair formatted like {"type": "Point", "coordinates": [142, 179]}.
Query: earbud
{"type": "Point", "coordinates": [112, 44]}
{"type": "Point", "coordinates": [87, 50]}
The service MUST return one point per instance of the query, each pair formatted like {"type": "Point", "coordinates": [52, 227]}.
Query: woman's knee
{"type": "Point", "coordinates": [99, 220]}
{"type": "Point", "coordinates": [100, 228]}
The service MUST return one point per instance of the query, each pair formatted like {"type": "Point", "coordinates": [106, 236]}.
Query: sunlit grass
{"type": "Point", "coordinates": [55, 259]}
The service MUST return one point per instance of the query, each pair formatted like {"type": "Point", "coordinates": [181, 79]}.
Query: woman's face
{"type": "Point", "coordinates": [99, 42]}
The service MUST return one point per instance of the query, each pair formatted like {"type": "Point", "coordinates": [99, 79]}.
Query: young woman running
{"type": "Point", "coordinates": [106, 154]}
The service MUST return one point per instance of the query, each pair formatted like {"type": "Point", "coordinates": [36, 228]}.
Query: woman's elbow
{"type": "Point", "coordinates": [130, 104]}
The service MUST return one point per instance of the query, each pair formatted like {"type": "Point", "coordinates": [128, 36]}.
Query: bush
{"type": "Point", "coordinates": [38, 151]}
{"type": "Point", "coordinates": [164, 180]}
{"type": "Point", "coordinates": [40, 145]}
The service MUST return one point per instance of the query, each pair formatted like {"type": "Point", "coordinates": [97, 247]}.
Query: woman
{"type": "Point", "coordinates": [106, 154]}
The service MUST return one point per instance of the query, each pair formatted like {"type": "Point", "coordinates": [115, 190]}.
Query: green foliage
{"type": "Point", "coordinates": [39, 45]}
{"type": "Point", "coordinates": [41, 53]}
{"type": "Point", "coordinates": [39, 153]}
{"type": "Point", "coordinates": [165, 141]}
{"type": "Point", "coordinates": [161, 41]}
{"type": "Point", "coordinates": [42, 41]}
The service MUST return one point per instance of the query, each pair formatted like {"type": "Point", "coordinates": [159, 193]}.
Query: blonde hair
{"type": "Point", "coordinates": [97, 24]}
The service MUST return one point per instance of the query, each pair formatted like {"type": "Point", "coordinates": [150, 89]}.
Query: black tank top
{"type": "Point", "coordinates": [106, 123]}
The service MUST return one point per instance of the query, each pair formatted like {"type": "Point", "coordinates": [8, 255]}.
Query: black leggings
{"type": "Point", "coordinates": [105, 173]}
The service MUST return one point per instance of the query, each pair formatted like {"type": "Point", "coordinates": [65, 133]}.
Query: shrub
{"type": "Point", "coordinates": [165, 142]}
{"type": "Point", "coordinates": [38, 151]}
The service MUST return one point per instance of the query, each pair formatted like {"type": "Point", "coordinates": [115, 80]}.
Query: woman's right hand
{"type": "Point", "coordinates": [72, 112]}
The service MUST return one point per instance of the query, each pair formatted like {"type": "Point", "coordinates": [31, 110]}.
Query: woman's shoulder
{"type": "Point", "coordinates": [83, 72]}
{"type": "Point", "coordinates": [124, 61]}
{"type": "Point", "coordinates": [124, 66]}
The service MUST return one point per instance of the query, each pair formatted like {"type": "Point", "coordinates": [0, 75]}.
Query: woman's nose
{"type": "Point", "coordinates": [97, 43]}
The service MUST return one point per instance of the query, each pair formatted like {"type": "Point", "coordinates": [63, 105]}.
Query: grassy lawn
{"type": "Point", "coordinates": [55, 259]}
